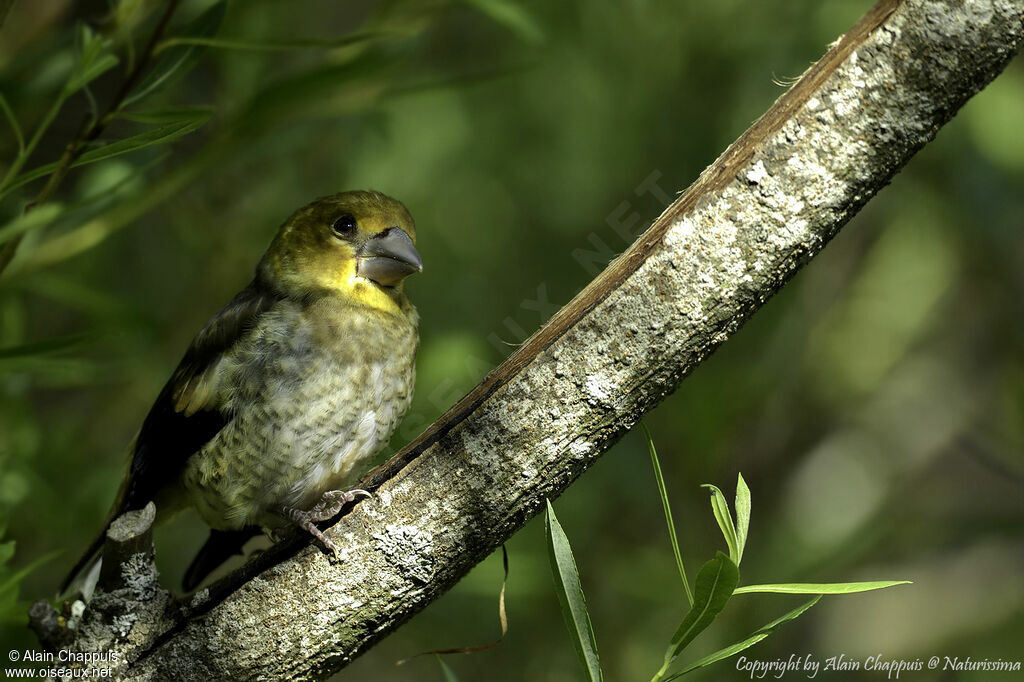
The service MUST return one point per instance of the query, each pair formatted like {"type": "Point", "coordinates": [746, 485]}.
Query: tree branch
{"type": "Point", "coordinates": [752, 219]}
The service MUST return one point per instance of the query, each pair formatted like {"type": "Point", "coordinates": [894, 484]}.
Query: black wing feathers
{"type": "Point", "coordinates": [168, 436]}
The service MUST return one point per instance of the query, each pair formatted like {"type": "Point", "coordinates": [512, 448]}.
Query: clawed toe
{"type": "Point", "coordinates": [332, 501]}
{"type": "Point", "coordinates": [329, 505]}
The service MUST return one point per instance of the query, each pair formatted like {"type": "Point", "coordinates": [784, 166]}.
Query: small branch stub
{"type": "Point", "coordinates": [129, 543]}
{"type": "Point", "coordinates": [128, 610]}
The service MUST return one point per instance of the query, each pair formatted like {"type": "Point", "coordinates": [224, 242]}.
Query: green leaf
{"type": "Point", "coordinates": [512, 16]}
{"type": "Point", "coordinates": [93, 60]}
{"type": "Point", "coordinates": [89, 72]}
{"type": "Point", "coordinates": [161, 135]}
{"type": "Point", "coordinates": [55, 371]}
{"type": "Point", "coordinates": [11, 582]}
{"type": "Point", "coordinates": [570, 596]}
{"type": "Point", "coordinates": [821, 588]}
{"type": "Point", "coordinates": [39, 217]}
{"type": "Point", "coordinates": [715, 583]}
{"type": "Point", "coordinates": [36, 348]}
{"type": "Point", "coordinates": [164, 115]}
{"type": "Point", "coordinates": [720, 507]}
{"type": "Point", "coordinates": [175, 62]}
{"type": "Point", "coordinates": [68, 291]}
{"type": "Point", "coordinates": [11, 612]}
{"type": "Point", "coordinates": [279, 46]}
{"type": "Point", "coordinates": [668, 513]}
{"type": "Point", "coordinates": [19, 137]}
{"type": "Point", "coordinates": [42, 359]}
{"type": "Point", "coordinates": [750, 641]}
{"type": "Point", "coordinates": [742, 515]}
{"type": "Point", "coordinates": [321, 91]}
{"type": "Point", "coordinates": [449, 674]}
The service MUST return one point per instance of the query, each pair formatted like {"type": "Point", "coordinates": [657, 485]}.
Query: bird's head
{"type": "Point", "coordinates": [360, 245]}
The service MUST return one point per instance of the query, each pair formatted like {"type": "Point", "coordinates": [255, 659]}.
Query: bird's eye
{"type": "Point", "coordinates": [345, 226]}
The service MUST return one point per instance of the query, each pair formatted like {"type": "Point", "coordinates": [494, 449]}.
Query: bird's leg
{"type": "Point", "coordinates": [303, 520]}
{"type": "Point", "coordinates": [330, 504]}
{"type": "Point", "coordinates": [332, 501]}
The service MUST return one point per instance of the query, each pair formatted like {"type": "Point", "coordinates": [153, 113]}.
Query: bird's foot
{"type": "Point", "coordinates": [332, 501]}
{"type": "Point", "coordinates": [330, 504]}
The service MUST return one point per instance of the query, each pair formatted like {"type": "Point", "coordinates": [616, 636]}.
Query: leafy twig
{"type": "Point", "coordinates": [276, 46]}
{"type": "Point", "coordinates": [89, 133]}
{"type": "Point", "coordinates": [15, 128]}
{"type": "Point", "coordinates": [663, 493]}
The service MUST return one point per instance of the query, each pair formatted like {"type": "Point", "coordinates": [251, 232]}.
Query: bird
{"type": "Point", "coordinates": [286, 394]}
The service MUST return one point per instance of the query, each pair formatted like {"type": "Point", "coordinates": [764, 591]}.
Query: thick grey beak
{"type": "Point", "coordinates": [388, 258]}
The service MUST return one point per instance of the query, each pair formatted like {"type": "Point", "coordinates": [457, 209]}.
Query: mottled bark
{"type": "Point", "coordinates": [761, 211]}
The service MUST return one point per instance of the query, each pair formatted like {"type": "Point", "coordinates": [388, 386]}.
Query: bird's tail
{"type": "Point", "coordinates": [87, 566]}
{"type": "Point", "coordinates": [86, 570]}
{"type": "Point", "coordinates": [219, 547]}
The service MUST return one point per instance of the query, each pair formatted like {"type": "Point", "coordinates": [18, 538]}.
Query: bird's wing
{"type": "Point", "coordinates": [186, 414]}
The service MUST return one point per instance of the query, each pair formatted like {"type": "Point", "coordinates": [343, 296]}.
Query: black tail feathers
{"type": "Point", "coordinates": [218, 548]}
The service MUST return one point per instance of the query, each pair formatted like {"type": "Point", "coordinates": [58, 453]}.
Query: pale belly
{"type": "Point", "coordinates": [303, 423]}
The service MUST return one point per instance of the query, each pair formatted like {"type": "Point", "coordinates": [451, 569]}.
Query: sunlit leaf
{"type": "Point", "coordinates": [570, 596]}
{"type": "Point", "coordinates": [742, 516]}
{"type": "Point", "coordinates": [720, 507]}
{"type": "Point", "coordinates": [750, 641]}
{"type": "Point", "coordinates": [93, 60]}
{"type": "Point", "coordinates": [123, 213]}
{"type": "Point", "coordinates": [39, 217]}
{"type": "Point", "coordinates": [449, 674]}
{"type": "Point", "coordinates": [821, 588]}
{"type": "Point", "coordinates": [663, 493]}
{"type": "Point", "coordinates": [154, 136]}
{"type": "Point", "coordinates": [715, 583]}
{"type": "Point", "coordinates": [512, 16]}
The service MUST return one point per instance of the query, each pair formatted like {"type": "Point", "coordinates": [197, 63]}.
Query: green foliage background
{"type": "Point", "coordinates": [875, 406]}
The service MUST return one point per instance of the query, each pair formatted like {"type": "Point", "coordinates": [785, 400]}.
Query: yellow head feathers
{"type": "Point", "coordinates": [356, 244]}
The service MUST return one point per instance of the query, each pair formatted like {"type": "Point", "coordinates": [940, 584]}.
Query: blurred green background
{"type": "Point", "coordinates": [874, 406]}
